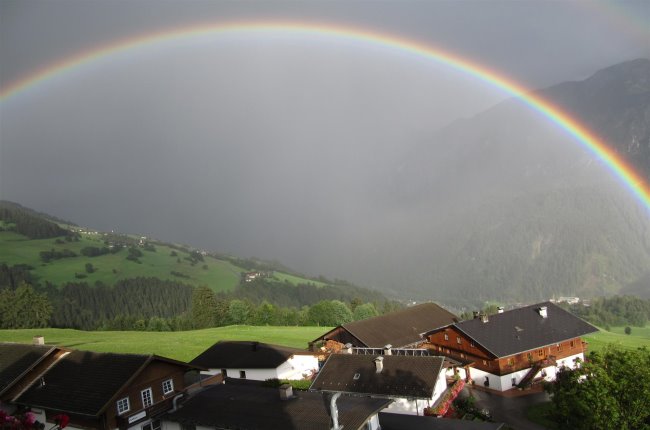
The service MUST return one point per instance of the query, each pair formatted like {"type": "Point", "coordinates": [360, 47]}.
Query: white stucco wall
{"type": "Point", "coordinates": [416, 407]}
{"type": "Point", "coordinates": [504, 382]}
{"type": "Point", "coordinates": [296, 367]}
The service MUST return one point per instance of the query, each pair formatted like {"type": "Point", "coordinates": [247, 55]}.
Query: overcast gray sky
{"type": "Point", "coordinates": [260, 145]}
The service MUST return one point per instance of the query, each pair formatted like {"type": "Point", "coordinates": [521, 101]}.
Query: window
{"type": "Point", "coordinates": [573, 344]}
{"type": "Point", "coordinates": [530, 356]}
{"type": "Point", "coordinates": [510, 362]}
{"type": "Point", "coordinates": [514, 382]}
{"type": "Point", "coordinates": [446, 336]}
{"type": "Point", "coordinates": [462, 355]}
{"type": "Point", "coordinates": [484, 362]}
{"type": "Point", "coordinates": [458, 341]}
{"type": "Point", "coordinates": [540, 352]}
{"type": "Point", "coordinates": [153, 425]}
{"type": "Point", "coordinates": [472, 344]}
{"type": "Point", "coordinates": [242, 374]}
{"type": "Point", "coordinates": [168, 386]}
{"type": "Point", "coordinates": [559, 347]}
{"type": "Point", "coordinates": [224, 372]}
{"type": "Point", "coordinates": [147, 398]}
{"type": "Point", "coordinates": [123, 406]}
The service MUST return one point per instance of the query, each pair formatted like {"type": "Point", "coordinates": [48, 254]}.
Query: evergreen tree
{"type": "Point", "coordinates": [203, 307]}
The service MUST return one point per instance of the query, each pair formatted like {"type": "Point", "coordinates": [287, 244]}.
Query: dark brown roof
{"type": "Point", "coordinates": [400, 328]}
{"type": "Point", "coordinates": [391, 421]}
{"type": "Point", "coordinates": [245, 355]}
{"type": "Point", "coordinates": [245, 407]}
{"type": "Point", "coordinates": [524, 329]}
{"type": "Point", "coordinates": [17, 359]}
{"type": "Point", "coordinates": [83, 382]}
{"type": "Point", "coordinates": [401, 376]}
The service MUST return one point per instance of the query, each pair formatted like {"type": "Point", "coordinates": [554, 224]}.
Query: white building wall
{"type": "Point", "coordinates": [504, 382]}
{"type": "Point", "coordinates": [298, 367]}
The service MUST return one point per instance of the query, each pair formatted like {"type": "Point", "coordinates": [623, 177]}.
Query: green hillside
{"type": "Point", "coordinates": [163, 263]}
{"type": "Point", "coordinates": [25, 235]}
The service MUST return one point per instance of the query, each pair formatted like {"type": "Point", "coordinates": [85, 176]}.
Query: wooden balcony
{"type": "Point", "coordinates": [153, 411]}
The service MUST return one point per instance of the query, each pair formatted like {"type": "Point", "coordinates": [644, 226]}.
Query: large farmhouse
{"type": "Point", "coordinates": [400, 329]}
{"type": "Point", "coordinates": [257, 361]}
{"type": "Point", "coordinates": [510, 349]}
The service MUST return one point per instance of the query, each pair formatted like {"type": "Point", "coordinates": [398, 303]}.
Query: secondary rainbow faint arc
{"type": "Point", "coordinates": [585, 137]}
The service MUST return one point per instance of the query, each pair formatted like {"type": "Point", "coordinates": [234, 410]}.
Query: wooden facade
{"type": "Point", "coordinates": [151, 377]}
{"type": "Point", "coordinates": [455, 344]}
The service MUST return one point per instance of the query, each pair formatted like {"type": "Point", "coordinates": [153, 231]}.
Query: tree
{"type": "Point", "coordinates": [238, 312]}
{"type": "Point", "coordinates": [203, 307]}
{"type": "Point", "coordinates": [24, 308]}
{"type": "Point", "coordinates": [628, 330]}
{"type": "Point", "coordinates": [90, 268]}
{"type": "Point", "coordinates": [329, 313]}
{"type": "Point", "coordinates": [364, 311]}
{"type": "Point", "coordinates": [610, 391]}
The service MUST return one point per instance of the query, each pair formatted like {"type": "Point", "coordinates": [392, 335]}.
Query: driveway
{"type": "Point", "coordinates": [509, 410]}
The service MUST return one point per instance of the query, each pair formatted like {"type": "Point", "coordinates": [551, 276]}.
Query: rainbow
{"type": "Point", "coordinates": [632, 180]}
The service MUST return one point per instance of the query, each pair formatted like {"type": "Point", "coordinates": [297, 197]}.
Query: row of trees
{"type": "Point", "coordinates": [211, 310]}
{"type": "Point", "coordinates": [29, 223]}
{"type": "Point", "coordinates": [614, 311]}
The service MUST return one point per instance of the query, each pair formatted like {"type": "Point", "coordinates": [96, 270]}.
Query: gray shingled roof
{"type": "Point", "coordinates": [16, 359]}
{"type": "Point", "coordinates": [401, 376]}
{"type": "Point", "coordinates": [400, 328]}
{"type": "Point", "coordinates": [392, 421]}
{"type": "Point", "coordinates": [83, 382]}
{"type": "Point", "coordinates": [523, 329]}
{"type": "Point", "coordinates": [245, 355]}
{"type": "Point", "coordinates": [244, 407]}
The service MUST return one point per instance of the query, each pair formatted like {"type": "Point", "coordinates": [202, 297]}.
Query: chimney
{"type": "Point", "coordinates": [476, 314]}
{"type": "Point", "coordinates": [388, 350]}
{"type": "Point", "coordinates": [286, 391]}
{"type": "Point", "coordinates": [542, 311]}
{"type": "Point", "coordinates": [500, 310]}
{"type": "Point", "coordinates": [347, 348]}
{"type": "Point", "coordinates": [484, 318]}
{"type": "Point", "coordinates": [379, 364]}
{"type": "Point", "coordinates": [38, 340]}
{"type": "Point", "coordinates": [254, 345]}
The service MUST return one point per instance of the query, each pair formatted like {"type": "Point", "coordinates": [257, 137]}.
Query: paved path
{"type": "Point", "coordinates": [509, 410]}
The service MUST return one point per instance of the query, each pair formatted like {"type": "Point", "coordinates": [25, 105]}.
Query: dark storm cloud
{"type": "Point", "coordinates": [279, 148]}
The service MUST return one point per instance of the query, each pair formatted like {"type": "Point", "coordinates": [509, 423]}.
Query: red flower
{"type": "Point", "coordinates": [61, 420]}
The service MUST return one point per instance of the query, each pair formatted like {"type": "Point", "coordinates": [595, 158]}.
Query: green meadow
{"type": "Point", "coordinates": [639, 337]}
{"type": "Point", "coordinates": [183, 345]}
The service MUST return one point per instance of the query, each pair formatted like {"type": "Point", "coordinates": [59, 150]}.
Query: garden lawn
{"type": "Point", "coordinates": [182, 345]}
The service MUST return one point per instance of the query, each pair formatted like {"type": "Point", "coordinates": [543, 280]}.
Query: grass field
{"type": "Point", "coordinates": [639, 337]}
{"type": "Point", "coordinates": [178, 345]}
{"type": "Point", "coordinates": [219, 275]}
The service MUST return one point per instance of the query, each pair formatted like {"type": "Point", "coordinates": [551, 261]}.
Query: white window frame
{"type": "Point", "coordinates": [144, 398]}
{"type": "Point", "coordinates": [170, 383]}
{"type": "Point", "coordinates": [121, 409]}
